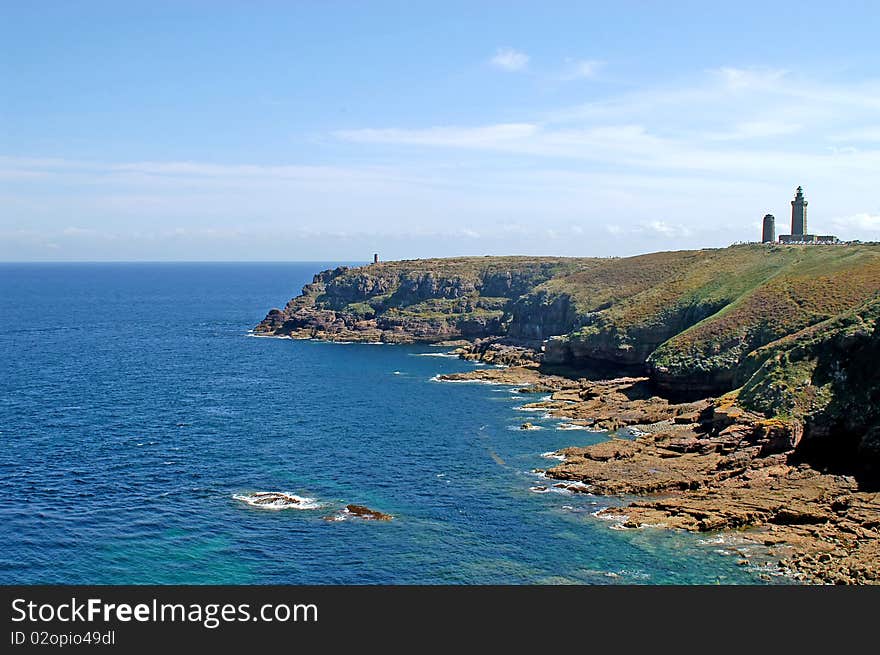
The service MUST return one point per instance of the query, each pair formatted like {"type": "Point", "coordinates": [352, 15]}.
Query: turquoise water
{"type": "Point", "coordinates": [134, 406]}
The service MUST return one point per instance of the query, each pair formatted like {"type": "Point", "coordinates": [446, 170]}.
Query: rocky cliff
{"type": "Point", "coordinates": [826, 379]}
{"type": "Point", "coordinates": [793, 326]}
{"type": "Point", "coordinates": [425, 300]}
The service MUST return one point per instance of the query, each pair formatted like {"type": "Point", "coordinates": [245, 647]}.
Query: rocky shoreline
{"type": "Point", "coordinates": [707, 466]}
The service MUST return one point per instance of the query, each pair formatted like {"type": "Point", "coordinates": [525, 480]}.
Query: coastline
{"type": "Point", "coordinates": [748, 392]}
{"type": "Point", "coordinates": [706, 466]}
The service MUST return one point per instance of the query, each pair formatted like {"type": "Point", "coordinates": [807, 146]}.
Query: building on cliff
{"type": "Point", "coordinates": [799, 234]}
{"type": "Point", "coordinates": [375, 258]}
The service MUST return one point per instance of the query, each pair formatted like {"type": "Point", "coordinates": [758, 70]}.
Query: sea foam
{"type": "Point", "coordinates": [277, 500]}
{"type": "Point", "coordinates": [577, 426]}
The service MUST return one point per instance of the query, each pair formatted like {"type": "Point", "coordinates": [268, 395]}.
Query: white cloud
{"type": "Point", "coordinates": [869, 133]}
{"type": "Point", "coordinates": [749, 78]}
{"type": "Point", "coordinates": [508, 59]}
{"type": "Point", "coordinates": [191, 174]}
{"type": "Point", "coordinates": [634, 146]}
{"type": "Point", "coordinates": [650, 229]}
{"type": "Point", "coordinates": [483, 136]}
{"type": "Point", "coordinates": [757, 129]}
{"type": "Point", "coordinates": [861, 222]}
{"type": "Point", "coordinates": [579, 69]}
{"type": "Point", "coordinates": [666, 229]}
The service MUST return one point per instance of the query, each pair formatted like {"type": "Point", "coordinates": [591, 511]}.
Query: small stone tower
{"type": "Point", "coordinates": [769, 233]}
{"type": "Point", "coordinates": [799, 214]}
{"type": "Point", "coordinates": [375, 258]}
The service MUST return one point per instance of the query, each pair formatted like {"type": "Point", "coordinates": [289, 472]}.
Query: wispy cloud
{"type": "Point", "coordinates": [733, 121]}
{"type": "Point", "coordinates": [634, 146]}
{"type": "Point", "coordinates": [868, 133]}
{"type": "Point", "coordinates": [678, 164]}
{"type": "Point", "coordinates": [862, 222]}
{"type": "Point", "coordinates": [652, 229]}
{"type": "Point", "coordinates": [581, 69]}
{"type": "Point", "coordinates": [482, 136]}
{"type": "Point", "coordinates": [509, 59]}
{"type": "Point", "coordinates": [189, 172]}
{"type": "Point", "coordinates": [756, 129]}
{"type": "Point", "coordinates": [740, 79]}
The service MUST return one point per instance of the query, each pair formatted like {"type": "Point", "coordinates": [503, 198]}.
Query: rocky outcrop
{"type": "Point", "coordinates": [707, 466]}
{"type": "Point", "coordinates": [514, 375]}
{"type": "Point", "coordinates": [501, 352]}
{"type": "Point", "coordinates": [418, 301]}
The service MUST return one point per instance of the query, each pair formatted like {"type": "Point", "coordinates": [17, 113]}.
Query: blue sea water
{"type": "Point", "coordinates": [134, 406]}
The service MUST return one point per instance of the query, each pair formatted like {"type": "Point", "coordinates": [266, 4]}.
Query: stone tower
{"type": "Point", "coordinates": [799, 214]}
{"type": "Point", "coordinates": [769, 233]}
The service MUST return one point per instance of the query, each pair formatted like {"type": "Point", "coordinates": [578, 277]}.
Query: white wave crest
{"type": "Point", "coordinates": [577, 426]}
{"type": "Point", "coordinates": [617, 520]}
{"type": "Point", "coordinates": [570, 487]}
{"type": "Point", "coordinates": [493, 383]}
{"type": "Point", "coordinates": [277, 500]}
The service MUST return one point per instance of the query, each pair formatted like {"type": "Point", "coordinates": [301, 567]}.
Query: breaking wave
{"type": "Point", "coordinates": [577, 426]}
{"type": "Point", "coordinates": [277, 500]}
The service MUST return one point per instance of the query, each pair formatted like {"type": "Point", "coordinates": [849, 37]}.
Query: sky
{"type": "Point", "coordinates": [328, 131]}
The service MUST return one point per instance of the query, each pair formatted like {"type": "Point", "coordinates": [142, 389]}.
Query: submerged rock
{"type": "Point", "coordinates": [359, 511]}
{"type": "Point", "coordinates": [366, 513]}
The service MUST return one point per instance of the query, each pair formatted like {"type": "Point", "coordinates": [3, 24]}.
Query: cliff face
{"type": "Point", "coordinates": [826, 378]}
{"type": "Point", "coordinates": [422, 300]}
{"type": "Point", "coordinates": [697, 321]}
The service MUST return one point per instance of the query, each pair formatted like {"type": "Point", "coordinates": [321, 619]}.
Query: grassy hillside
{"type": "Point", "coordinates": [700, 314]}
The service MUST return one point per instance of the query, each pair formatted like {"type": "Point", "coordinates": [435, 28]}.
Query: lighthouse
{"type": "Point", "coordinates": [799, 214]}
{"type": "Point", "coordinates": [799, 234]}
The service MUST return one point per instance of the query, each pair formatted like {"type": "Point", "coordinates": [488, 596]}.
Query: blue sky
{"type": "Point", "coordinates": [331, 130]}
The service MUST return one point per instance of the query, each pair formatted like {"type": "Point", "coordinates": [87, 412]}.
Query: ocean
{"type": "Point", "coordinates": [135, 406]}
